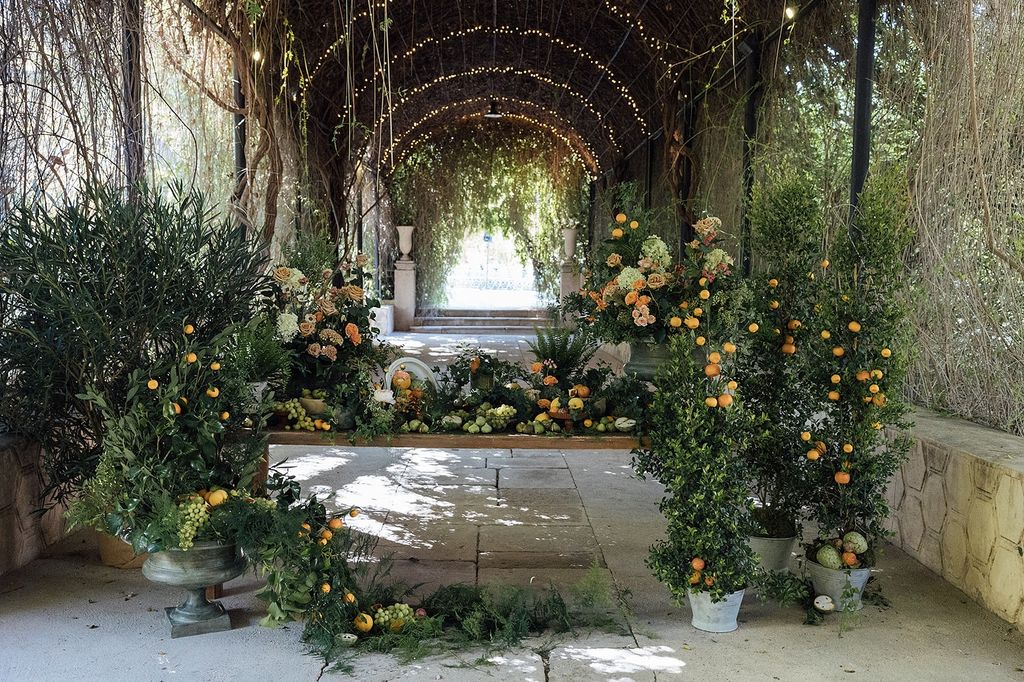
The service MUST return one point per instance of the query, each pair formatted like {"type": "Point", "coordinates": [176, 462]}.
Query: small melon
{"type": "Point", "coordinates": [828, 557]}
{"type": "Point", "coordinates": [857, 542]}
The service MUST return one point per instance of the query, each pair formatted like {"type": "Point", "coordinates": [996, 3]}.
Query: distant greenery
{"type": "Point", "coordinates": [499, 178]}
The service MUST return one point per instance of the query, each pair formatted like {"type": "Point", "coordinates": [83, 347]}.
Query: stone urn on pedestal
{"type": "Point", "coordinates": [405, 280]}
{"type": "Point", "coordinates": [569, 281]}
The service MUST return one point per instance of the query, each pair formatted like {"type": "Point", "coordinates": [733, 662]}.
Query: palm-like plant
{"type": "Point", "coordinates": [566, 350]}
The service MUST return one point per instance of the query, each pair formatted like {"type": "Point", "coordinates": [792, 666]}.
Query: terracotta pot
{"type": "Point", "coordinates": [117, 553]}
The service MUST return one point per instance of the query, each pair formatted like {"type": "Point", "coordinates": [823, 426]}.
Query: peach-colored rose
{"type": "Point", "coordinates": [656, 280]}
{"type": "Point", "coordinates": [313, 349]}
{"type": "Point", "coordinates": [282, 274]}
{"type": "Point", "coordinates": [352, 332]}
{"type": "Point", "coordinates": [326, 307]}
{"type": "Point", "coordinates": [330, 352]}
{"type": "Point", "coordinates": [306, 328]}
{"type": "Point", "coordinates": [362, 260]}
{"type": "Point", "coordinates": [614, 260]}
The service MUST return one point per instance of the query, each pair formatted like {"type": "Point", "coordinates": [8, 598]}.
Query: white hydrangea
{"type": "Point", "coordinates": [655, 250]}
{"type": "Point", "coordinates": [287, 326]}
{"type": "Point", "coordinates": [628, 277]}
{"type": "Point", "coordinates": [715, 258]}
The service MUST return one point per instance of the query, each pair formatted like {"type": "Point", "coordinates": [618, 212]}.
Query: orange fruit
{"type": "Point", "coordinates": [322, 541]}
{"type": "Point", "coordinates": [874, 388]}
{"type": "Point", "coordinates": [712, 370]}
{"type": "Point", "coordinates": [176, 407]}
{"type": "Point", "coordinates": [849, 558]}
{"type": "Point", "coordinates": [191, 357]}
{"type": "Point", "coordinates": [788, 348]}
{"type": "Point", "coordinates": [617, 233]}
{"type": "Point", "coordinates": [821, 447]}
{"type": "Point", "coordinates": [826, 334]}
{"type": "Point", "coordinates": [825, 263]}
{"type": "Point", "coordinates": [697, 312]}
{"type": "Point", "coordinates": [711, 402]}
{"type": "Point", "coordinates": [774, 305]}
{"type": "Point", "coordinates": [863, 375]}
{"type": "Point", "coordinates": [833, 396]}
{"type": "Point", "coordinates": [877, 426]}
{"type": "Point", "coordinates": [842, 477]}
{"type": "Point", "coordinates": [709, 581]}
{"type": "Point", "coordinates": [695, 578]}
{"type": "Point", "coordinates": [621, 218]}
{"type": "Point", "coordinates": [729, 347]}
{"type": "Point", "coordinates": [213, 391]}
{"type": "Point", "coordinates": [633, 224]}
{"type": "Point", "coordinates": [753, 328]}
{"type": "Point", "coordinates": [697, 564]}
{"type": "Point", "coordinates": [354, 513]}
{"type": "Point", "coordinates": [536, 367]}
{"type": "Point", "coordinates": [326, 534]}
{"type": "Point", "coordinates": [675, 321]}
{"type": "Point", "coordinates": [847, 448]}
{"type": "Point", "coordinates": [363, 622]}
{"type": "Point", "coordinates": [805, 436]}
{"type": "Point", "coordinates": [839, 351]}
{"type": "Point", "coordinates": [867, 399]}
{"type": "Point", "coordinates": [886, 353]}
{"type": "Point", "coordinates": [215, 366]}
{"type": "Point", "coordinates": [189, 329]}
{"type": "Point", "coordinates": [773, 283]}
{"type": "Point", "coordinates": [703, 281]}
{"type": "Point", "coordinates": [836, 378]}
{"type": "Point", "coordinates": [724, 400]}
{"type": "Point", "coordinates": [350, 598]}
{"type": "Point", "coordinates": [876, 374]}
{"type": "Point", "coordinates": [335, 524]}
{"type": "Point", "coordinates": [732, 385]}
{"type": "Point", "coordinates": [793, 325]}
{"type": "Point", "coordinates": [700, 340]}
{"type": "Point", "coordinates": [813, 455]}
{"type": "Point", "coordinates": [152, 384]}
{"type": "Point", "coordinates": [691, 322]}
{"type": "Point", "coordinates": [854, 326]}
{"type": "Point", "coordinates": [224, 416]}
{"type": "Point", "coordinates": [704, 294]}
{"type": "Point", "coordinates": [789, 339]}
{"type": "Point", "coordinates": [325, 588]}
{"type": "Point", "coordinates": [715, 357]}
{"type": "Point", "coordinates": [879, 400]}
{"type": "Point", "coordinates": [588, 423]}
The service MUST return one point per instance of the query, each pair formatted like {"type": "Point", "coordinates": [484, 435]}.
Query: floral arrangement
{"type": "Point", "coordinates": [635, 292]}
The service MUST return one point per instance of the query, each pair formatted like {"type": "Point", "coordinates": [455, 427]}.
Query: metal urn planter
{"type": "Point", "coordinates": [773, 553]}
{"type": "Point", "coordinates": [205, 564]}
{"type": "Point", "coordinates": [833, 583]}
{"type": "Point", "coordinates": [645, 359]}
{"type": "Point", "coordinates": [712, 616]}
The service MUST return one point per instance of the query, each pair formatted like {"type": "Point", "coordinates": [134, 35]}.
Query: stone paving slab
{"type": "Point", "coordinates": [540, 498]}
{"type": "Point", "coordinates": [537, 452]}
{"type": "Point", "coordinates": [534, 478]}
{"type": "Point", "coordinates": [466, 476]}
{"type": "Point", "coordinates": [541, 578]}
{"type": "Point", "coordinates": [535, 560]}
{"type": "Point", "coordinates": [532, 462]}
{"type": "Point", "coordinates": [537, 539]}
{"type": "Point", "coordinates": [407, 537]}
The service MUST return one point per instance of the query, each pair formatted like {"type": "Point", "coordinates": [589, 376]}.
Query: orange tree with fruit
{"type": "Point", "coordinates": [775, 354]}
{"type": "Point", "coordinates": [701, 423]}
{"type": "Point", "coordinates": [860, 348]}
{"type": "Point", "coordinates": [173, 450]}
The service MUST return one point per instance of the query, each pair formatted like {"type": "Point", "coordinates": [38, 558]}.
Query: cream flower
{"type": "Point", "coordinates": [706, 226]}
{"type": "Point", "coordinates": [614, 260]}
{"type": "Point", "coordinates": [287, 325]}
{"type": "Point", "coordinates": [656, 280]}
{"type": "Point", "coordinates": [282, 274]}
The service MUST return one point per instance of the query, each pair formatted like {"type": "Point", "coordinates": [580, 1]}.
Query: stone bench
{"type": "Point", "coordinates": [958, 508]}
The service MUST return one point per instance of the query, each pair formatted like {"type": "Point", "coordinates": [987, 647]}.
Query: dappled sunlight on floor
{"type": "Point", "coordinates": [610, 661]}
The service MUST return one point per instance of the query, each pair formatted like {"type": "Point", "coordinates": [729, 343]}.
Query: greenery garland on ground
{"type": "Point", "coordinates": [492, 177]}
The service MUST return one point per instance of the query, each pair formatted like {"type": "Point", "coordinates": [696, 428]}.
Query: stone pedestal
{"type": "Point", "coordinates": [405, 294]}
{"type": "Point", "coordinates": [570, 281]}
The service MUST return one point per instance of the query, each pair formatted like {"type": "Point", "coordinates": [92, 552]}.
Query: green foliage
{"type": "Point", "coordinates": [498, 178]}
{"type": "Point", "coordinates": [171, 437]}
{"type": "Point", "coordinates": [564, 351]}
{"type": "Point", "coordinates": [706, 501]}
{"type": "Point", "coordinates": [787, 228]}
{"type": "Point", "coordinates": [867, 287]}
{"type": "Point", "coordinates": [95, 290]}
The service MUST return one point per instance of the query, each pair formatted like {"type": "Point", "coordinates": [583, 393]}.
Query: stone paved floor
{"type": "Point", "coordinates": [496, 516]}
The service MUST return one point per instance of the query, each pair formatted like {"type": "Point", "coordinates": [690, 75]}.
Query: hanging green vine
{"type": "Point", "coordinates": [491, 177]}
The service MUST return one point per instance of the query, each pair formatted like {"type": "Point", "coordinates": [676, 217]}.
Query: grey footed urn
{"type": "Point", "coordinates": [195, 569]}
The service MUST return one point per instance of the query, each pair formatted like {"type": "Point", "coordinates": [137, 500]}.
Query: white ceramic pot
{"type": "Point", "coordinates": [405, 240]}
{"type": "Point", "coordinates": [773, 553]}
{"type": "Point", "coordinates": [712, 616]}
{"type": "Point", "coordinates": [833, 582]}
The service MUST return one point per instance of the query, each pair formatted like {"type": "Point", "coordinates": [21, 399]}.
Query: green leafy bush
{"type": "Point", "coordinates": [692, 453]}
{"type": "Point", "coordinates": [95, 290]}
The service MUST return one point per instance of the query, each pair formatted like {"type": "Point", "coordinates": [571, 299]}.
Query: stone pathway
{"type": "Point", "coordinates": [503, 516]}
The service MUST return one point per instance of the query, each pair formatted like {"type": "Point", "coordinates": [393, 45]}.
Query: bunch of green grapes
{"type": "Point", "coordinates": [500, 417]}
{"type": "Point", "coordinates": [394, 617]}
{"type": "Point", "coordinates": [194, 514]}
{"type": "Point", "coordinates": [297, 413]}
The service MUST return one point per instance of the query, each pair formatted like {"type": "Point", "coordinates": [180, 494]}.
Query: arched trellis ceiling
{"type": "Point", "coordinates": [593, 63]}
{"type": "Point", "coordinates": [456, 113]}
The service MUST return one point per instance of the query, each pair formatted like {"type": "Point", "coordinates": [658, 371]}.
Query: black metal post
{"type": "Point", "coordinates": [754, 90]}
{"type": "Point", "coordinates": [131, 80]}
{"type": "Point", "coordinates": [863, 94]}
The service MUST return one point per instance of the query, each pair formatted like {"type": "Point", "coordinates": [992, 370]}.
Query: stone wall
{"type": "Point", "coordinates": [24, 533]}
{"type": "Point", "coordinates": [959, 509]}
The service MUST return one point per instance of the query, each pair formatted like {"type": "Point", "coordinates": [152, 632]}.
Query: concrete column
{"type": "Point", "coordinates": [570, 281]}
{"type": "Point", "coordinates": [405, 294]}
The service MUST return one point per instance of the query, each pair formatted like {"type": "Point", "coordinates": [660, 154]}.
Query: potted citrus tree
{"type": "Point", "coordinates": [705, 557]}
{"type": "Point", "coordinates": [861, 359]}
{"type": "Point", "coordinates": [787, 229]}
